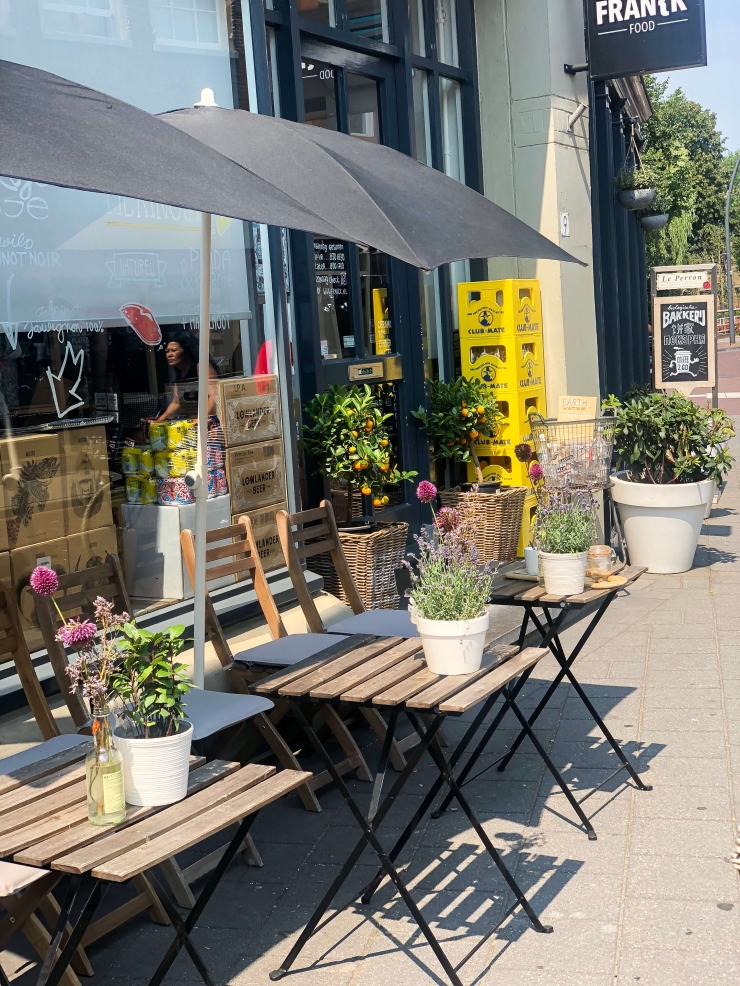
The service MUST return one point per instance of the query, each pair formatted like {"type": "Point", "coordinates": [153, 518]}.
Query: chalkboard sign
{"type": "Point", "coordinates": [684, 332]}
{"type": "Point", "coordinates": [631, 37]}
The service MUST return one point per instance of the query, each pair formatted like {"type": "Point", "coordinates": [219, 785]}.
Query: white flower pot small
{"type": "Point", "coordinates": [633, 199]}
{"type": "Point", "coordinates": [155, 771]}
{"type": "Point", "coordinates": [662, 522]}
{"type": "Point", "coordinates": [565, 574]}
{"type": "Point", "coordinates": [531, 560]}
{"type": "Point", "coordinates": [453, 646]}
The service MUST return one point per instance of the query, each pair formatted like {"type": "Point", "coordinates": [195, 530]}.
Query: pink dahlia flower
{"type": "Point", "coordinates": [426, 491]}
{"type": "Point", "coordinates": [77, 633]}
{"type": "Point", "coordinates": [44, 581]}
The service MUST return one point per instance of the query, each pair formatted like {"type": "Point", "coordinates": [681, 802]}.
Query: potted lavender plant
{"type": "Point", "coordinates": [449, 590]}
{"type": "Point", "coordinates": [566, 529]}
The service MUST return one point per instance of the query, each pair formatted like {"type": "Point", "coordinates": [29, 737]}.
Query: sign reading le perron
{"type": "Point", "coordinates": [684, 342]}
{"type": "Point", "coordinates": [629, 37]}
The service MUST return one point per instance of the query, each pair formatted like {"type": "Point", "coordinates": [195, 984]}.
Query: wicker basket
{"type": "Point", "coordinates": [372, 559]}
{"type": "Point", "coordinates": [497, 516]}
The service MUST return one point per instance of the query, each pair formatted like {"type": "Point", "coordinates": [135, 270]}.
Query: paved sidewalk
{"type": "Point", "coordinates": [654, 901]}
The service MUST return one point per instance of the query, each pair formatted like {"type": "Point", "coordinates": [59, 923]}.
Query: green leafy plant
{"type": "Point", "coordinates": [150, 682]}
{"type": "Point", "coordinates": [658, 207]}
{"type": "Point", "coordinates": [460, 412]}
{"type": "Point", "coordinates": [629, 178]}
{"type": "Point", "coordinates": [347, 435]}
{"type": "Point", "coordinates": [667, 438]}
{"type": "Point", "coordinates": [566, 522]}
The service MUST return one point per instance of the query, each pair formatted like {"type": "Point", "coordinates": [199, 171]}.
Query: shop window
{"type": "Point", "coordinates": [446, 18]}
{"type": "Point", "coordinates": [368, 18]}
{"type": "Point", "coordinates": [422, 129]}
{"type": "Point", "coordinates": [89, 20]}
{"type": "Point", "coordinates": [321, 11]}
{"type": "Point", "coordinates": [188, 23]}
{"type": "Point", "coordinates": [416, 27]}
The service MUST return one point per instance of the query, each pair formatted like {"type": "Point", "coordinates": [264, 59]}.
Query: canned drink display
{"type": "Point", "coordinates": [176, 432]}
{"type": "Point", "coordinates": [215, 456]}
{"type": "Point", "coordinates": [146, 462]}
{"type": "Point", "coordinates": [179, 465]}
{"type": "Point", "coordinates": [133, 489]}
{"type": "Point", "coordinates": [217, 482]}
{"type": "Point", "coordinates": [162, 465]}
{"type": "Point", "coordinates": [173, 492]}
{"type": "Point", "coordinates": [149, 490]}
{"type": "Point", "coordinates": [158, 436]}
{"type": "Point", "coordinates": [130, 462]}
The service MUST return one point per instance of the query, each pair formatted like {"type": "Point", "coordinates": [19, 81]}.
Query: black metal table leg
{"type": "Point", "coordinates": [89, 891]}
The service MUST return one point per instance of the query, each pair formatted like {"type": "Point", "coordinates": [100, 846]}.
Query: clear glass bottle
{"type": "Point", "coordinates": [106, 802]}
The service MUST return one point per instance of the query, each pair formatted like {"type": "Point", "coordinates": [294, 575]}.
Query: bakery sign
{"type": "Point", "coordinates": [684, 327]}
{"type": "Point", "coordinates": [631, 37]}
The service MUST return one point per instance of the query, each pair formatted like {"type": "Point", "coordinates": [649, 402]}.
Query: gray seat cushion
{"type": "Point", "coordinates": [46, 749]}
{"type": "Point", "coordinates": [284, 651]}
{"type": "Point", "coordinates": [14, 877]}
{"type": "Point", "coordinates": [383, 622]}
{"type": "Point", "coordinates": [210, 712]}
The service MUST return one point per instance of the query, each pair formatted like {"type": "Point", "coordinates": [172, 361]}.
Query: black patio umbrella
{"type": "Point", "coordinates": [380, 197]}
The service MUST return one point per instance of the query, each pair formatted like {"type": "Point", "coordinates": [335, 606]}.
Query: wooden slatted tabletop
{"type": "Point", "coordinates": [514, 592]}
{"type": "Point", "coordinates": [43, 815]}
{"type": "Point", "coordinates": [393, 672]}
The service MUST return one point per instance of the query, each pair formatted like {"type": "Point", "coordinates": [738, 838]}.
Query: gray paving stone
{"type": "Point", "coordinates": [703, 803]}
{"type": "Point", "coordinates": [681, 878]}
{"type": "Point", "coordinates": [697, 745]}
{"type": "Point", "coordinates": [687, 772]}
{"type": "Point", "coordinates": [683, 925]}
{"type": "Point", "coordinates": [666, 967]}
{"type": "Point", "coordinates": [681, 837]}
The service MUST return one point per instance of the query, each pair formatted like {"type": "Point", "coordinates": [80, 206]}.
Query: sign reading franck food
{"type": "Point", "coordinates": [630, 37]}
{"type": "Point", "coordinates": [684, 342]}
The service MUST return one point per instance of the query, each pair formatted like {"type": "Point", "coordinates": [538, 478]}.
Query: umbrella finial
{"type": "Point", "coordinates": [207, 98]}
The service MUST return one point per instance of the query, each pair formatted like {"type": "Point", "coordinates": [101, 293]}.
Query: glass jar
{"type": "Point", "coordinates": [600, 561]}
{"type": "Point", "coordinates": [106, 802]}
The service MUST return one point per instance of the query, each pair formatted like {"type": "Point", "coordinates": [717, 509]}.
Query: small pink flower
{"type": "Point", "coordinates": [447, 519]}
{"type": "Point", "coordinates": [77, 633]}
{"type": "Point", "coordinates": [426, 491]}
{"type": "Point", "coordinates": [535, 472]}
{"type": "Point", "coordinates": [44, 581]}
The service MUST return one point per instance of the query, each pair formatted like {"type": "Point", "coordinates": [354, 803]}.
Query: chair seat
{"type": "Point", "coordinates": [210, 712]}
{"type": "Point", "coordinates": [14, 877]}
{"type": "Point", "coordinates": [383, 622]}
{"type": "Point", "coordinates": [284, 651]}
{"type": "Point", "coordinates": [46, 749]}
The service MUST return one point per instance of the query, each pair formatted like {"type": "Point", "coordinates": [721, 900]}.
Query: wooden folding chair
{"type": "Point", "coordinates": [235, 549]}
{"type": "Point", "coordinates": [77, 593]}
{"type": "Point", "coordinates": [316, 534]}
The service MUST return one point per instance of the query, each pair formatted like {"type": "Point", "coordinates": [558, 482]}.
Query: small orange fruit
{"type": "Point", "coordinates": [352, 449]}
{"type": "Point", "coordinates": [464, 403]}
{"type": "Point", "coordinates": [364, 464]}
{"type": "Point", "coordinates": [384, 500]}
{"type": "Point", "coordinates": [481, 409]}
{"type": "Point", "coordinates": [377, 502]}
{"type": "Point", "coordinates": [355, 434]}
{"type": "Point", "coordinates": [384, 467]}
{"type": "Point", "coordinates": [481, 419]}
{"type": "Point", "coordinates": [357, 466]}
{"type": "Point", "coordinates": [383, 442]}
{"type": "Point", "coordinates": [465, 412]}
{"type": "Point", "coordinates": [366, 491]}
{"type": "Point", "coordinates": [473, 433]}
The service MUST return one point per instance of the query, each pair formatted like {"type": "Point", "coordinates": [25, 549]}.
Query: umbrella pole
{"type": "Point", "coordinates": [201, 465]}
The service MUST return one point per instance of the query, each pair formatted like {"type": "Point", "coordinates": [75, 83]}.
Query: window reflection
{"type": "Point", "coordinates": [368, 18]}
{"type": "Point", "coordinates": [92, 20]}
{"type": "Point", "coordinates": [186, 23]}
{"type": "Point", "coordinates": [453, 164]}
{"type": "Point", "coordinates": [416, 27]}
{"type": "Point", "coordinates": [422, 130]}
{"type": "Point", "coordinates": [321, 11]}
{"type": "Point", "coordinates": [446, 18]}
{"type": "Point", "coordinates": [362, 99]}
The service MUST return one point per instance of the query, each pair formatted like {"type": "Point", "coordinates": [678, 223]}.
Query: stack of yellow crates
{"type": "Point", "coordinates": [501, 345]}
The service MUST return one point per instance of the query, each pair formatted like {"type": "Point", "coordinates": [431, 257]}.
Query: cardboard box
{"type": "Point", "coordinates": [249, 409]}
{"type": "Point", "coordinates": [256, 476]}
{"type": "Point", "coordinates": [32, 475]}
{"type": "Point", "coordinates": [266, 536]}
{"type": "Point", "coordinates": [85, 478]}
{"type": "Point", "coordinates": [5, 574]}
{"type": "Point", "coordinates": [22, 563]}
{"type": "Point", "coordinates": [89, 549]}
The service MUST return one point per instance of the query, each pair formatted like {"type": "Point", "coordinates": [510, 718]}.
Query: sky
{"type": "Point", "coordinates": [716, 86]}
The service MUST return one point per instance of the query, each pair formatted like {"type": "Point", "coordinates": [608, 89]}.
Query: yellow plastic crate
{"type": "Point", "coordinates": [503, 467]}
{"type": "Point", "coordinates": [525, 536]}
{"type": "Point", "coordinates": [491, 309]}
{"type": "Point", "coordinates": [514, 426]}
{"type": "Point", "coordinates": [505, 366]}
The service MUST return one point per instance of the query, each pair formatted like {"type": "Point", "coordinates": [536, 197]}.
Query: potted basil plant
{"type": "Point", "coordinates": [155, 736]}
{"type": "Point", "coordinates": [449, 590]}
{"type": "Point", "coordinates": [566, 529]}
{"type": "Point", "coordinates": [635, 187]}
{"type": "Point", "coordinates": [671, 453]}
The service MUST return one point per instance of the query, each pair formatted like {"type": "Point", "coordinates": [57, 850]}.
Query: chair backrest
{"type": "Point", "coordinates": [13, 648]}
{"type": "Point", "coordinates": [76, 596]}
{"type": "Point", "coordinates": [316, 534]}
{"type": "Point", "coordinates": [237, 551]}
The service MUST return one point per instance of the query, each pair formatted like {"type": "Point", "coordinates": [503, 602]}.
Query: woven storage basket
{"type": "Point", "coordinates": [372, 560]}
{"type": "Point", "coordinates": [339, 502]}
{"type": "Point", "coordinates": [497, 517]}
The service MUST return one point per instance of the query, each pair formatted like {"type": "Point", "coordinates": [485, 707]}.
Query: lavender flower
{"type": "Point", "coordinates": [77, 633]}
{"type": "Point", "coordinates": [45, 581]}
{"type": "Point", "coordinates": [426, 491]}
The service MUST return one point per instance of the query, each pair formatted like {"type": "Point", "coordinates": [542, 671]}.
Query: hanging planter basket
{"type": "Point", "coordinates": [653, 223]}
{"type": "Point", "coordinates": [498, 519]}
{"type": "Point", "coordinates": [636, 198]}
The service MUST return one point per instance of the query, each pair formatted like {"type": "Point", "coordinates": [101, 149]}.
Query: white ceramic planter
{"type": "Point", "coordinates": [155, 771]}
{"type": "Point", "coordinates": [531, 561]}
{"type": "Point", "coordinates": [453, 646]}
{"type": "Point", "coordinates": [710, 502]}
{"type": "Point", "coordinates": [633, 199]}
{"type": "Point", "coordinates": [565, 575]}
{"type": "Point", "coordinates": [662, 523]}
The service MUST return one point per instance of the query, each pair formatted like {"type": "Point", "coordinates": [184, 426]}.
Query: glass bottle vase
{"type": "Point", "coordinates": [106, 802]}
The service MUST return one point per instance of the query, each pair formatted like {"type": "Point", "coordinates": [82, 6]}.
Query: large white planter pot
{"type": "Point", "coordinates": [710, 502]}
{"type": "Point", "coordinates": [155, 771]}
{"type": "Point", "coordinates": [453, 646]}
{"type": "Point", "coordinates": [662, 523]}
{"type": "Point", "coordinates": [565, 575]}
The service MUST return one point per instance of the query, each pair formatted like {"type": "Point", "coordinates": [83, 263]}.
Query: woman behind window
{"type": "Point", "coordinates": [181, 354]}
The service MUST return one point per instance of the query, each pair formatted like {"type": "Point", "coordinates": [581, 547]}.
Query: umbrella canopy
{"type": "Point", "coordinates": [59, 132]}
{"type": "Point", "coordinates": [378, 196]}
